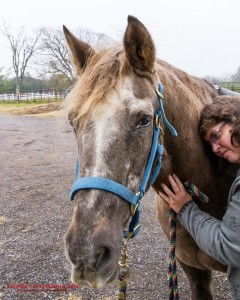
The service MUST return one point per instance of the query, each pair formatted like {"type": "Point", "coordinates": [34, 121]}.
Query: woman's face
{"type": "Point", "coordinates": [219, 138]}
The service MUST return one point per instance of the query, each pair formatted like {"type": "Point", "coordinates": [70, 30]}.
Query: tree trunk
{"type": "Point", "coordinates": [17, 90]}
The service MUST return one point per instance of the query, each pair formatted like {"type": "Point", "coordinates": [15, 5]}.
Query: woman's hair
{"type": "Point", "coordinates": [223, 109]}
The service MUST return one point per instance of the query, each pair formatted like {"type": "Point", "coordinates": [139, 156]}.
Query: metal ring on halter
{"type": "Point", "coordinates": [134, 207]}
{"type": "Point", "coordinates": [123, 265]}
{"type": "Point", "coordinates": [158, 93]}
{"type": "Point", "coordinates": [157, 121]}
{"type": "Point", "coordinates": [132, 232]}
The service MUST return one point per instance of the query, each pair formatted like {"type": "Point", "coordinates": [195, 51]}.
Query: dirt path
{"type": "Point", "coordinates": [36, 173]}
{"type": "Point", "coordinates": [41, 109]}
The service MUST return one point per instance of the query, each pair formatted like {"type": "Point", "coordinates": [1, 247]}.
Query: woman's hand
{"type": "Point", "coordinates": [178, 197]}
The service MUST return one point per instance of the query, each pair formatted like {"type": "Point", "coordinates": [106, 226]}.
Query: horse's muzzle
{"type": "Point", "coordinates": [92, 279]}
{"type": "Point", "coordinates": [94, 260]}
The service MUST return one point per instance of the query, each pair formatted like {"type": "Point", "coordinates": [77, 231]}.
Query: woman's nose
{"type": "Point", "coordinates": [215, 147]}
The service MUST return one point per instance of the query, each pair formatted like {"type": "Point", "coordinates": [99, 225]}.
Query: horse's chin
{"type": "Point", "coordinates": [93, 280]}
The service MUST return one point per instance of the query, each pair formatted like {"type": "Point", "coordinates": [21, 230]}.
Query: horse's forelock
{"type": "Point", "coordinates": [102, 74]}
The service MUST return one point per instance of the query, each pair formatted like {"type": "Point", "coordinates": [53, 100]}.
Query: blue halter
{"type": "Point", "coordinates": [119, 189]}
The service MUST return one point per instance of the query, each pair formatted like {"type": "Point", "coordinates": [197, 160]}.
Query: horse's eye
{"type": "Point", "coordinates": [145, 122]}
{"type": "Point", "coordinates": [71, 123]}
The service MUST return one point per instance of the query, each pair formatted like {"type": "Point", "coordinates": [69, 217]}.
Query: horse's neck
{"type": "Point", "coordinates": [174, 78]}
{"type": "Point", "coordinates": [184, 98]}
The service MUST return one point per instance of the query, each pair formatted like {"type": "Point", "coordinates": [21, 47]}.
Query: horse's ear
{"type": "Point", "coordinates": [139, 46]}
{"type": "Point", "coordinates": [80, 51]}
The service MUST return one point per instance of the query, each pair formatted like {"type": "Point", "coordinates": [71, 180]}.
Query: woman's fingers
{"type": "Point", "coordinates": [167, 191]}
{"type": "Point", "coordinates": [178, 182]}
{"type": "Point", "coordinates": [174, 184]}
{"type": "Point", "coordinates": [178, 189]}
{"type": "Point", "coordinates": [176, 198]}
{"type": "Point", "coordinates": [163, 196]}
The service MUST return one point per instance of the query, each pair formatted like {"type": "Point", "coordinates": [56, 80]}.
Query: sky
{"type": "Point", "coordinates": [201, 37]}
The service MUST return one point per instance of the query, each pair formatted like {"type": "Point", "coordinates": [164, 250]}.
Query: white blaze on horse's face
{"type": "Point", "coordinates": [104, 131]}
{"type": "Point", "coordinates": [111, 138]}
{"type": "Point", "coordinates": [106, 128]}
{"type": "Point", "coordinates": [109, 120]}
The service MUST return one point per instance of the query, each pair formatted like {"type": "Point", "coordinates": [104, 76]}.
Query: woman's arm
{"type": "Point", "coordinates": [215, 237]}
{"type": "Point", "coordinates": [219, 239]}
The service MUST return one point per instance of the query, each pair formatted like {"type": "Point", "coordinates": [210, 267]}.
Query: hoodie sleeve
{"type": "Point", "coordinates": [219, 239]}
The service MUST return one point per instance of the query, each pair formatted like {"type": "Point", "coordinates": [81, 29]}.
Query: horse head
{"type": "Point", "coordinates": [112, 110]}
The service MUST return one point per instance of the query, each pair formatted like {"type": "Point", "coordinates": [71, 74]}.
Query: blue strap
{"type": "Point", "coordinates": [160, 88]}
{"type": "Point", "coordinates": [106, 185]}
{"type": "Point", "coordinates": [165, 120]}
{"type": "Point", "coordinates": [134, 227]}
{"type": "Point", "coordinates": [150, 162]}
{"type": "Point", "coordinates": [158, 166]}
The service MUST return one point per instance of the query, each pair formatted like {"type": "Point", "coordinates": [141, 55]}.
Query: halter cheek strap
{"type": "Point", "coordinates": [122, 191]}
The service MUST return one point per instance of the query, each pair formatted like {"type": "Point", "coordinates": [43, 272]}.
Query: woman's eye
{"type": "Point", "coordinates": [145, 122]}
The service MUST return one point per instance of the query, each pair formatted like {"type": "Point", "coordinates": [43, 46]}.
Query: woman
{"type": "Point", "coordinates": [220, 129]}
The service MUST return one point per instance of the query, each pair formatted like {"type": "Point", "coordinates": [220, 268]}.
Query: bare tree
{"type": "Point", "coordinates": [22, 48]}
{"type": "Point", "coordinates": [219, 79]}
{"type": "Point", "coordinates": [55, 59]}
{"type": "Point", "coordinates": [236, 76]}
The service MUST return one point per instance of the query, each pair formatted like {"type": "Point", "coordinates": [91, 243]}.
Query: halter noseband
{"type": "Point", "coordinates": [122, 191]}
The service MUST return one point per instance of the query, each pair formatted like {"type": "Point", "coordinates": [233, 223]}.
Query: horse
{"type": "Point", "coordinates": [112, 108]}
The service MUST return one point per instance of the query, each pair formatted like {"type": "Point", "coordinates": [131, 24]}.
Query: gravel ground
{"type": "Point", "coordinates": [36, 172]}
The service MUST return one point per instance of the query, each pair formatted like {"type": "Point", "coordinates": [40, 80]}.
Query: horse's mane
{"type": "Point", "coordinates": [102, 74]}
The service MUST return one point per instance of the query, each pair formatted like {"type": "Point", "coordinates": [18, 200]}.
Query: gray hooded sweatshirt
{"type": "Point", "coordinates": [222, 240]}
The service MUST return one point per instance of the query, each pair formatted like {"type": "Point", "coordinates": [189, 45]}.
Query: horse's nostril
{"type": "Point", "coordinates": [103, 258]}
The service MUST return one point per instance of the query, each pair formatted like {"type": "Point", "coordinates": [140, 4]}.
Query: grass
{"type": "Point", "coordinates": [38, 108]}
{"type": "Point", "coordinates": [234, 86]}
{"type": "Point", "coordinates": [26, 102]}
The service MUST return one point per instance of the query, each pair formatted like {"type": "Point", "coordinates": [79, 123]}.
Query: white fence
{"type": "Point", "coordinates": [233, 86]}
{"type": "Point", "coordinates": [32, 96]}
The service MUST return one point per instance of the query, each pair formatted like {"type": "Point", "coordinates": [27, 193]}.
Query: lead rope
{"type": "Point", "coordinates": [194, 191]}
{"type": "Point", "coordinates": [172, 264]}
{"type": "Point", "coordinates": [123, 272]}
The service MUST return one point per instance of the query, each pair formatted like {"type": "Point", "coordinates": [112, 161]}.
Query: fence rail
{"type": "Point", "coordinates": [55, 95]}
{"type": "Point", "coordinates": [59, 95]}
{"type": "Point", "coordinates": [233, 86]}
